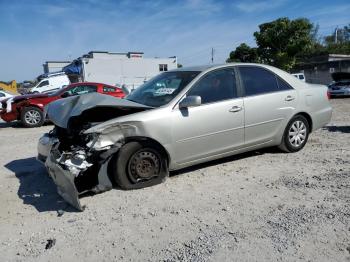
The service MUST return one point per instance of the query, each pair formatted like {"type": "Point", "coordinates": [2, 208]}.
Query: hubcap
{"type": "Point", "coordinates": [144, 165]}
{"type": "Point", "coordinates": [32, 117]}
{"type": "Point", "coordinates": [297, 133]}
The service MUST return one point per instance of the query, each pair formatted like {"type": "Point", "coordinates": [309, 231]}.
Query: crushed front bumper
{"type": "Point", "coordinates": [65, 182]}
{"type": "Point", "coordinates": [70, 185]}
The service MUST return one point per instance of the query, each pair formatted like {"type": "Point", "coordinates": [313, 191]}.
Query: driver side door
{"type": "Point", "coordinates": [216, 126]}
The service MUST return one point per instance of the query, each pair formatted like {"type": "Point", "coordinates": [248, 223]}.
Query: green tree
{"type": "Point", "coordinates": [243, 53]}
{"type": "Point", "coordinates": [280, 41]}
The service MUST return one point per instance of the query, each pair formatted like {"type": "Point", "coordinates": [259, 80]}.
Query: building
{"type": "Point", "coordinates": [319, 69]}
{"type": "Point", "coordinates": [130, 69]}
{"type": "Point", "coordinates": [54, 66]}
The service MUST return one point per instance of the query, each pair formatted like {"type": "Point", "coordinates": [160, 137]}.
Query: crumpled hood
{"type": "Point", "coordinates": [60, 111]}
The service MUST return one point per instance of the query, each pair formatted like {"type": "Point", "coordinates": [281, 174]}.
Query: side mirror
{"type": "Point", "coordinates": [65, 94]}
{"type": "Point", "coordinates": [190, 101]}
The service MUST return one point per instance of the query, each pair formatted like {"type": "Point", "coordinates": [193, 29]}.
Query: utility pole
{"type": "Point", "coordinates": [212, 55]}
{"type": "Point", "coordinates": [336, 35]}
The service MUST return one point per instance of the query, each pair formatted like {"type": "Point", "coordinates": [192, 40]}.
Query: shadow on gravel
{"type": "Point", "coordinates": [36, 187]}
{"type": "Point", "coordinates": [269, 150]}
{"type": "Point", "coordinates": [341, 129]}
{"type": "Point", "coordinates": [17, 124]}
{"type": "Point", "coordinates": [14, 124]}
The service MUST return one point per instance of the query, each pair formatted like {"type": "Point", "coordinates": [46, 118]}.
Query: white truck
{"type": "Point", "coordinates": [50, 82]}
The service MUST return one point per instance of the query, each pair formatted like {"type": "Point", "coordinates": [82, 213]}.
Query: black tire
{"type": "Point", "coordinates": [126, 166]}
{"type": "Point", "coordinates": [291, 147]}
{"type": "Point", "coordinates": [32, 116]}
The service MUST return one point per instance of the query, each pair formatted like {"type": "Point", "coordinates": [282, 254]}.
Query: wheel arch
{"type": "Point", "coordinates": [153, 142]}
{"type": "Point", "coordinates": [308, 118]}
{"type": "Point", "coordinates": [25, 104]}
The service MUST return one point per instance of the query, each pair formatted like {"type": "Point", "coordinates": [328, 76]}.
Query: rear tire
{"type": "Point", "coordinates": [295, 135]}
{"type": "Point", "coordinates": [32, 117]}
{"type": "Point", "coordinates": [138, 165]}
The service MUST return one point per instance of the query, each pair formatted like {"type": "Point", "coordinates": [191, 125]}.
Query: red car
{"type": "Point", "coordinates": [29, 108]}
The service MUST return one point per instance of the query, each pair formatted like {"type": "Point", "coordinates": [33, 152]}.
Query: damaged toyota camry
{"type": "Point", "coordinates": [177, 119]}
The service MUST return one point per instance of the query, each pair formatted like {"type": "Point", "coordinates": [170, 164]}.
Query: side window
{"type": "Point", "coordinates": [282, 85]}
{"type": "Point", "coordinates": [215, 86]}
{"type": "Point", "coordinates": [108, 89]}
{"type": "Point", "coordinates": [44, 83]}
{"type": "Point", "coordinates": [84, 89]}
{"type": "Point", "coordinates": [257, 80]}
{"type": "Point", "coordinates": [2, 95]}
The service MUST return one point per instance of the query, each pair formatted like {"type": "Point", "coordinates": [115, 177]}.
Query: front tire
{"type": "Point", "coordinates": [32, 117]}
{"type": "Point", "coordinates": [138, 165]}
{"type": "Point", "coordinates": [295, 135]}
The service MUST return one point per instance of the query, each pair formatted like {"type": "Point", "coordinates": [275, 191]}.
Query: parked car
{"type": "Point", "coordinates": [341, 85]}
{"type": "Point", "coordinates": [177, 119]}
{"type": "Point", "coordinates": [300, 76]}
{"type": "Point", "coordinates": [50, 82]}
{"type": "Point", "coordinates": [4, 95]}
{"type": "Point", "coordinates": [29, 108]}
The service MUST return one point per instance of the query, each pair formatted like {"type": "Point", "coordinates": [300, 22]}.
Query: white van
{"type": "Point", "coordinates": [300, 76]}
{"type": "Point", "coordinates": [50, 82]}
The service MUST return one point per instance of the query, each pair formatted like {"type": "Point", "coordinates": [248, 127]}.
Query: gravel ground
{"type": "Point", "coordinates": [260, 206]}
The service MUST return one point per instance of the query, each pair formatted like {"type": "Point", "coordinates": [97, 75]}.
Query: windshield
{"type": "Point", "coordinates": [343, 83]}
{"type": "Point", "coordinates": [161, 89]}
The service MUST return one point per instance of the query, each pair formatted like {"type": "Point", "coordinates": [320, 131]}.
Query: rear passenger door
{"type": "Point", "coordinates": [269, 103]}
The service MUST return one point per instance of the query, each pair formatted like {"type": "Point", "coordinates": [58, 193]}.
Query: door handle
{"type": "Point", "coordinates": [289, 98]}
{"type": "Point", "coordinates": [236, 109]}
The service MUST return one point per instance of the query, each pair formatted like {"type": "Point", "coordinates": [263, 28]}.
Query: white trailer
{"type": "Point", "coordinates": [130, 69]}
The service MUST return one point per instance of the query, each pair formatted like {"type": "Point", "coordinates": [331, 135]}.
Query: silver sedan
{"type": "Point", "coordinates": [177, 119]}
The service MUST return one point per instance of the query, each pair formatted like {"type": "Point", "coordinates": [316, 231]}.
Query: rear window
{"type": "Point", "coordinates": [342, 84]}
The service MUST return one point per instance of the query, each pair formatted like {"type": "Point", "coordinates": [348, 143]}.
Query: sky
{"type": "Point", "coordinates": [35, 31]}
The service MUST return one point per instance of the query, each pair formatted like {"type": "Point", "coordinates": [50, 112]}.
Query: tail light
{"type": "Point", "coordinates": [328, 95]}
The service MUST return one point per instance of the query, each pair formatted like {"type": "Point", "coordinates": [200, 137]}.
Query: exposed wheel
{"type": "Point", "coordinates": [32, 117]}
{"type": "Point", "coordinates": [295, 135]}
{"type": "Point", "coordinates": [139, 165]}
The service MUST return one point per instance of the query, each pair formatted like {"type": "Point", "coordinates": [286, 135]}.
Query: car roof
{"type": "Point", "coordinates": [295, 82]}
{"type": "Point", "coordinates": [202, 68]}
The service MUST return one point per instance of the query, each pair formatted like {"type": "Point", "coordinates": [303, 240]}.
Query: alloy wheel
{"type": "Point", "coordinates": [297, 133]}
{"type": "Point", "coordinates": [32, 117]}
